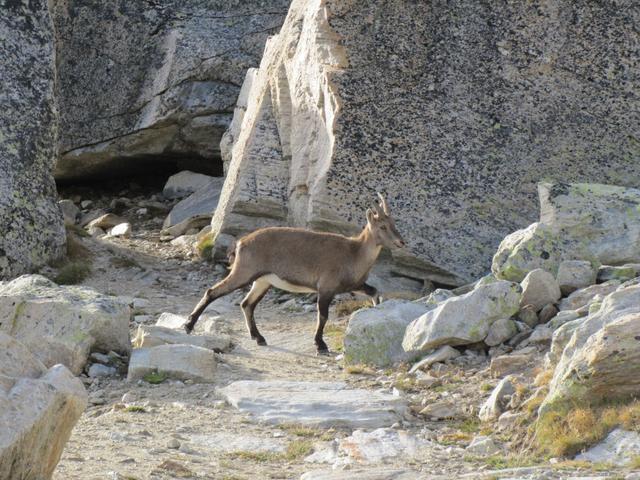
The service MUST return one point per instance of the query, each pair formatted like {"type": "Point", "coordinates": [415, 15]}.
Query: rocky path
{"type": "Point", "coordinates": [138, 430]}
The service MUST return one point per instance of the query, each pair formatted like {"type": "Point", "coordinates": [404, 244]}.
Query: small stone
{"type": "Point", "coordinates": [173, 444]}
{"type": "Point", "coordinates": [100, 357]}
{"type": "Point", "coordinates": [539, 288]}
{"type": "Point", "coordinates": [99, 370]}
{"type": "Point", "coordinates": [95, 231]}
{"type": "Point", "coordinates": [506, 364]}
{"type": "Point", "coordinates": [500, 331]}
{"type": "Point", "coordinates": [128, 397]}
{"type": "Point", "coordinates": [440, 411]}
{"type": "Point", "coordinates": [86, 204]}
{"type": "Point", "coordinates": [70, 212]}
{"type": "Point", "coordinates": [528, 315]}
{"type": "Point", "coordinates": [575, 274]}
{"type": "Point", "coordinates": [621, 273]}
{"type": "Point", "coordinates": [541, 334]}
{"type": "Point", "coordinates": [121, 230]}
{"type": "Point", "coordinates": [547, 313]}
{"type": "Point", "coordinates": [440, 355]}
{"type": "Point", "coordinates": [107, 221]}
{"type": "Point", "coordinates": [494, 405]}
{"type": "Point", "coordinates": [482, 445]}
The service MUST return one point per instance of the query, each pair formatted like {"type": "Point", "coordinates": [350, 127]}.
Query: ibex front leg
{"type": "Point", "coordinates": [324, 300]}
{"type": "Point", "coordinates": [232, 282]}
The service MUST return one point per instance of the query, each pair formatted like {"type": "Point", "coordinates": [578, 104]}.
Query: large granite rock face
{"type": "Point", "coordinates": [454, 111]}
{"type": "Point", "coordinates": [153, 80]}
{"type": "Point", "coordinates": [38, 409]}
{"type": "Point", "coordinates": [31, 225]}
{"type": "Point", "coordinates": [63, 324]}
{"type": "Point", "coordinates": [588, 222]}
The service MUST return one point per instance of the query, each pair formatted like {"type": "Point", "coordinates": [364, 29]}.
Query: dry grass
{"type": "Point", "coordinates": [72, 273]}
{"type": "Point", "coordinates": [76, 266]}
{"type": "Point", "coordinates": [307, 432]}
{"type": "Point", "coordinates": [359, 370]}
{"type": "Point", "coordinates": [347, 307]}
{"type": "Point", "coordinates": [401, 296]}
{"type": "Point", "coordinates": [334, 335]}
{"type": "Point", "coordinates": [543, 377]}
{"type": "Point", "coordinates": [124, 262]}
{"type": "Point", "coordinates": [296, 450]}
{"type": "Point", "coordinates": [568, 432]}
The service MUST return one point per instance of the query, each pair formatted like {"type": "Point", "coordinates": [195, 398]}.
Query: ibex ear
{"type": "Point", "coordinates": [370, 216]}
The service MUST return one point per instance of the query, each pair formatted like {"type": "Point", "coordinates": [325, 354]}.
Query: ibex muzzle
{"type": "Point", "coordinates": [302, 261]}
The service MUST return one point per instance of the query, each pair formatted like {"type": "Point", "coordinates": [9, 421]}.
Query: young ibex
{"type": "Point", "coordinates": [302, 261]}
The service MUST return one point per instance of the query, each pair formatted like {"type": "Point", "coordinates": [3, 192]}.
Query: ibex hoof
{"type": "Point", "coordinates": [323, 352]}
{"type": "Point", "coordinates": [261, 341]}
{"type": "Point", "coordinates": [188, 328]}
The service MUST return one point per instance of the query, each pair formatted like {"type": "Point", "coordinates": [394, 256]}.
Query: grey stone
{"type": "Point", "coordinates": [574, 275]}
{"type": "Point", "coordinates": [482, 445]}
{"type": "Point", "coordinates": [620, 447]}
{"type": "Point", "coordinates": [440, 355]}
{"type": "Point", "coordinates": [156, 81]}
{"type": "Point", "coordinates": [185, 183]}
{"type": "Point", "coordinates": [435, 297]}
{"type": "Point", "coordinates": [321, 404]}
{"type": "Point", "coordinates": [378, 446]}
{"type": "Point", "coordinates": [63, 324]}
{"type": "Point", "coordinates": [494, 406]}
{"type": "Point", "coordinates": [500, 331]}
{"type": "Point", "coordinates": [562, 318]}
{"type": "Point", "coordinates": [621, 273]}
{"type": "Point", "coordinates": [585, 296]}
{"type": "Point", "coordinates": [203, 202]}
{"type": "Point", "coordinates": [70, 212]}
{"type": "Point", "coordinates": [299, 160]}
{"type": "Point", "coordinates": [463, 320]}
{"type": "Point", "coordinates": [506, 364]}
{"type": "Point", "coordinates": [374, 335]}
{"type": "Point", "coordinates": [548, 312]}
{"type": "Point", "coordinates": [177, 362]}
{"type": "Point", "coordinates": [30, 219]}
{"type": "Point", "coordinates": [440, 410]}
{"type": "Point", "coordinates": [153, 335]}
{"type": "Point", "coordinates": [578, 222]}
{"type": "Point", "coordinates": [38, 409]}
{"type": "Point", "coordinates": [106, 221]}
{"type": "Point", "coordinates": [99, 370]}
{"type": "Point", "coordinates": [541, 334]}
{"type": "Point", "coordinates": [598, 356]}
{"type": "Point", "coordinates": [539, 288]}
{"type": "Point", "coordinates": [509, 420]}
{"type": "Point", "coordinates": [528, 315]}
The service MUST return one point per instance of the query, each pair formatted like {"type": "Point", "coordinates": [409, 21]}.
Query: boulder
{"type": "Point", "coordinates": [106, 221]}
{"type": "Point", "coordinates": [599, 359]}
{"type": "Point", "coordinates": [144, 85]}
{"type": "Point", "coordinates": [176, 362]}
{"type": "Point", "coordinates": [574, 275]}
{"type": "Point", "coordinates": [121, 230]}
{"type": "Point", "coordinates": [314, 143]}
{"type": "Point", "coordinates": [63, 324]}
{"type": "Point", "coordinates": [38, 409]}
{"type": "Point", "coordinates": [506, 364]}
{"type": "Point", "coordinates": [374, 335]}
{"type": "Point", "coordinates": [500, 331]}
{"type": "Point", "coordinates": [494, 406]}
{"type": "Point", "coordinates": [318, 404]}
{"type": "Point", "coordinates": [581, 221]}
{"type": "Point", "coordinates": [528, 315]}
{"type": "Point", "coordinates": [585, 296]}
{"type": "Point", "coordinates": [621, 273]}
{"type": "Point", "coordinates": [620, 447]}
{"type": "Point", "coordinates": [202, 202]}
{"type": "Point", "coordinates": [185, 183]}
{"type": "Point", "coordinates": [31, 222]}
{"type": "Point", "coordinates": [539, 288]}
{"type": "Point", "coordinates": [463, 320]}
{"type": "Point", "coordinates": [152, 335]}
{"type": "Point", "coordinates": [440, 355]}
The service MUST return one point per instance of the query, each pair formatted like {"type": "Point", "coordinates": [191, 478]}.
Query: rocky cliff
{"type": "Point", "coordinates": [141, 83]}
{"type": "Point", "coordinates": [31, 228]}
{"type": "Point", "coordinates": [455, 111]}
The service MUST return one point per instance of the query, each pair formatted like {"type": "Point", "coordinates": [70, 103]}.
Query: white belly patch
{"type": "Point", "coordinates": [277, 282]}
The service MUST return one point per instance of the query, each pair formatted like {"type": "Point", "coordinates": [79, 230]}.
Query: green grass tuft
{"type": "Point", "coordinates": [155, 377]}
{"type": "Point", "coordinates": [72, 273]}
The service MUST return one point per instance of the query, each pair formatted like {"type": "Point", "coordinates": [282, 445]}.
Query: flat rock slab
{"type": "Point", "coordinates": [233, 442]}
{"type": "Point", "coordinates": [152, 335]}
{"type": "Point", "coordinates": [177, 362]}
{"type": "Point", "coordinates": [377, 474]}
{"type": "Point", "coordinates": [320, 404]}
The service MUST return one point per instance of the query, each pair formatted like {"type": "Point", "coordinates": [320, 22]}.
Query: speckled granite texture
{"type": "Point", "coordinates": [455, 110]}
{"type": "Point", "coordinates": [147, 81]}
{"type": "Point", "coordinates": [31, 226]}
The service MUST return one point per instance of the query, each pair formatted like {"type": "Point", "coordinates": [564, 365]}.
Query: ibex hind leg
{"type": "Point", "coordinates": [324, 300]}
{"type": "Point", "coordinates": [232, 282]}
{"type": "Point", "coordinates": [258, 290]}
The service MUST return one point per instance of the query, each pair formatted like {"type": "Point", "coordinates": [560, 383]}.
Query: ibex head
{"type": "Point", "coordinates": [382, 225]}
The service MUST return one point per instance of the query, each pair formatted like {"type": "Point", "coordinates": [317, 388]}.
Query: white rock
{"type": "Point", "coordinates": [620, 447]}
{"type": "Point", "coordinates": [374, 335]}
{"type": "Point", "coordinates": [500, 331]}
{"type": "Point", "coordinates": [177, 362]}
{"type": "Point", "coordinates": [598, 355]}
{"type": "Point", "coordinates": [185, 183]}
{"type": "Point", "coordinates": [379, 445]}
{"type": "Point", "coordinates": [463, 320]}
{"type": "Point", "coordinates": [171, 320]}
{"type": "Point", "coordinates": [440, 410]}
{"type": "Point", "coordinates": [151, 336]}
{"type": "Point", "coordinates": [38, 409]}
{"type": "Point", "coordinates": [95, 231]}
{"type": "Point", "coordinates": [321, 404]}
{"type": "Point", "coordinates": [63, 324]}
{"type": "Point", "coordinates": [202, 202]}
{"type": "Point", "coordinates": [539, 288]}
{"type": "Point", "coordinates": [442, 354]}
{"type": "Point", "coordinates": [584, 296]}
{"type": "Point", "coordinates": [541, 334]}
{"type": "Point", "coordinates": [86, 204]}
{"type": "Point", "coordinates": [121, 230]}
{"type": "Point", "coordinates": [106, 221]}
{"type": "Point", "coordinates": [482, 445]}
{"type": "Point", "coordinates": [494, 405]}
{"type": "Point", "coordinates": [237, 441]}
{"type": "Point", "coordinates": [574, 275]}
{"type": "Point", "coordinates": [563, 317]}
{"type": "Point", "coordinates": [512, 363]}
{"type": "Point", "coordinates": [509, 420]}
